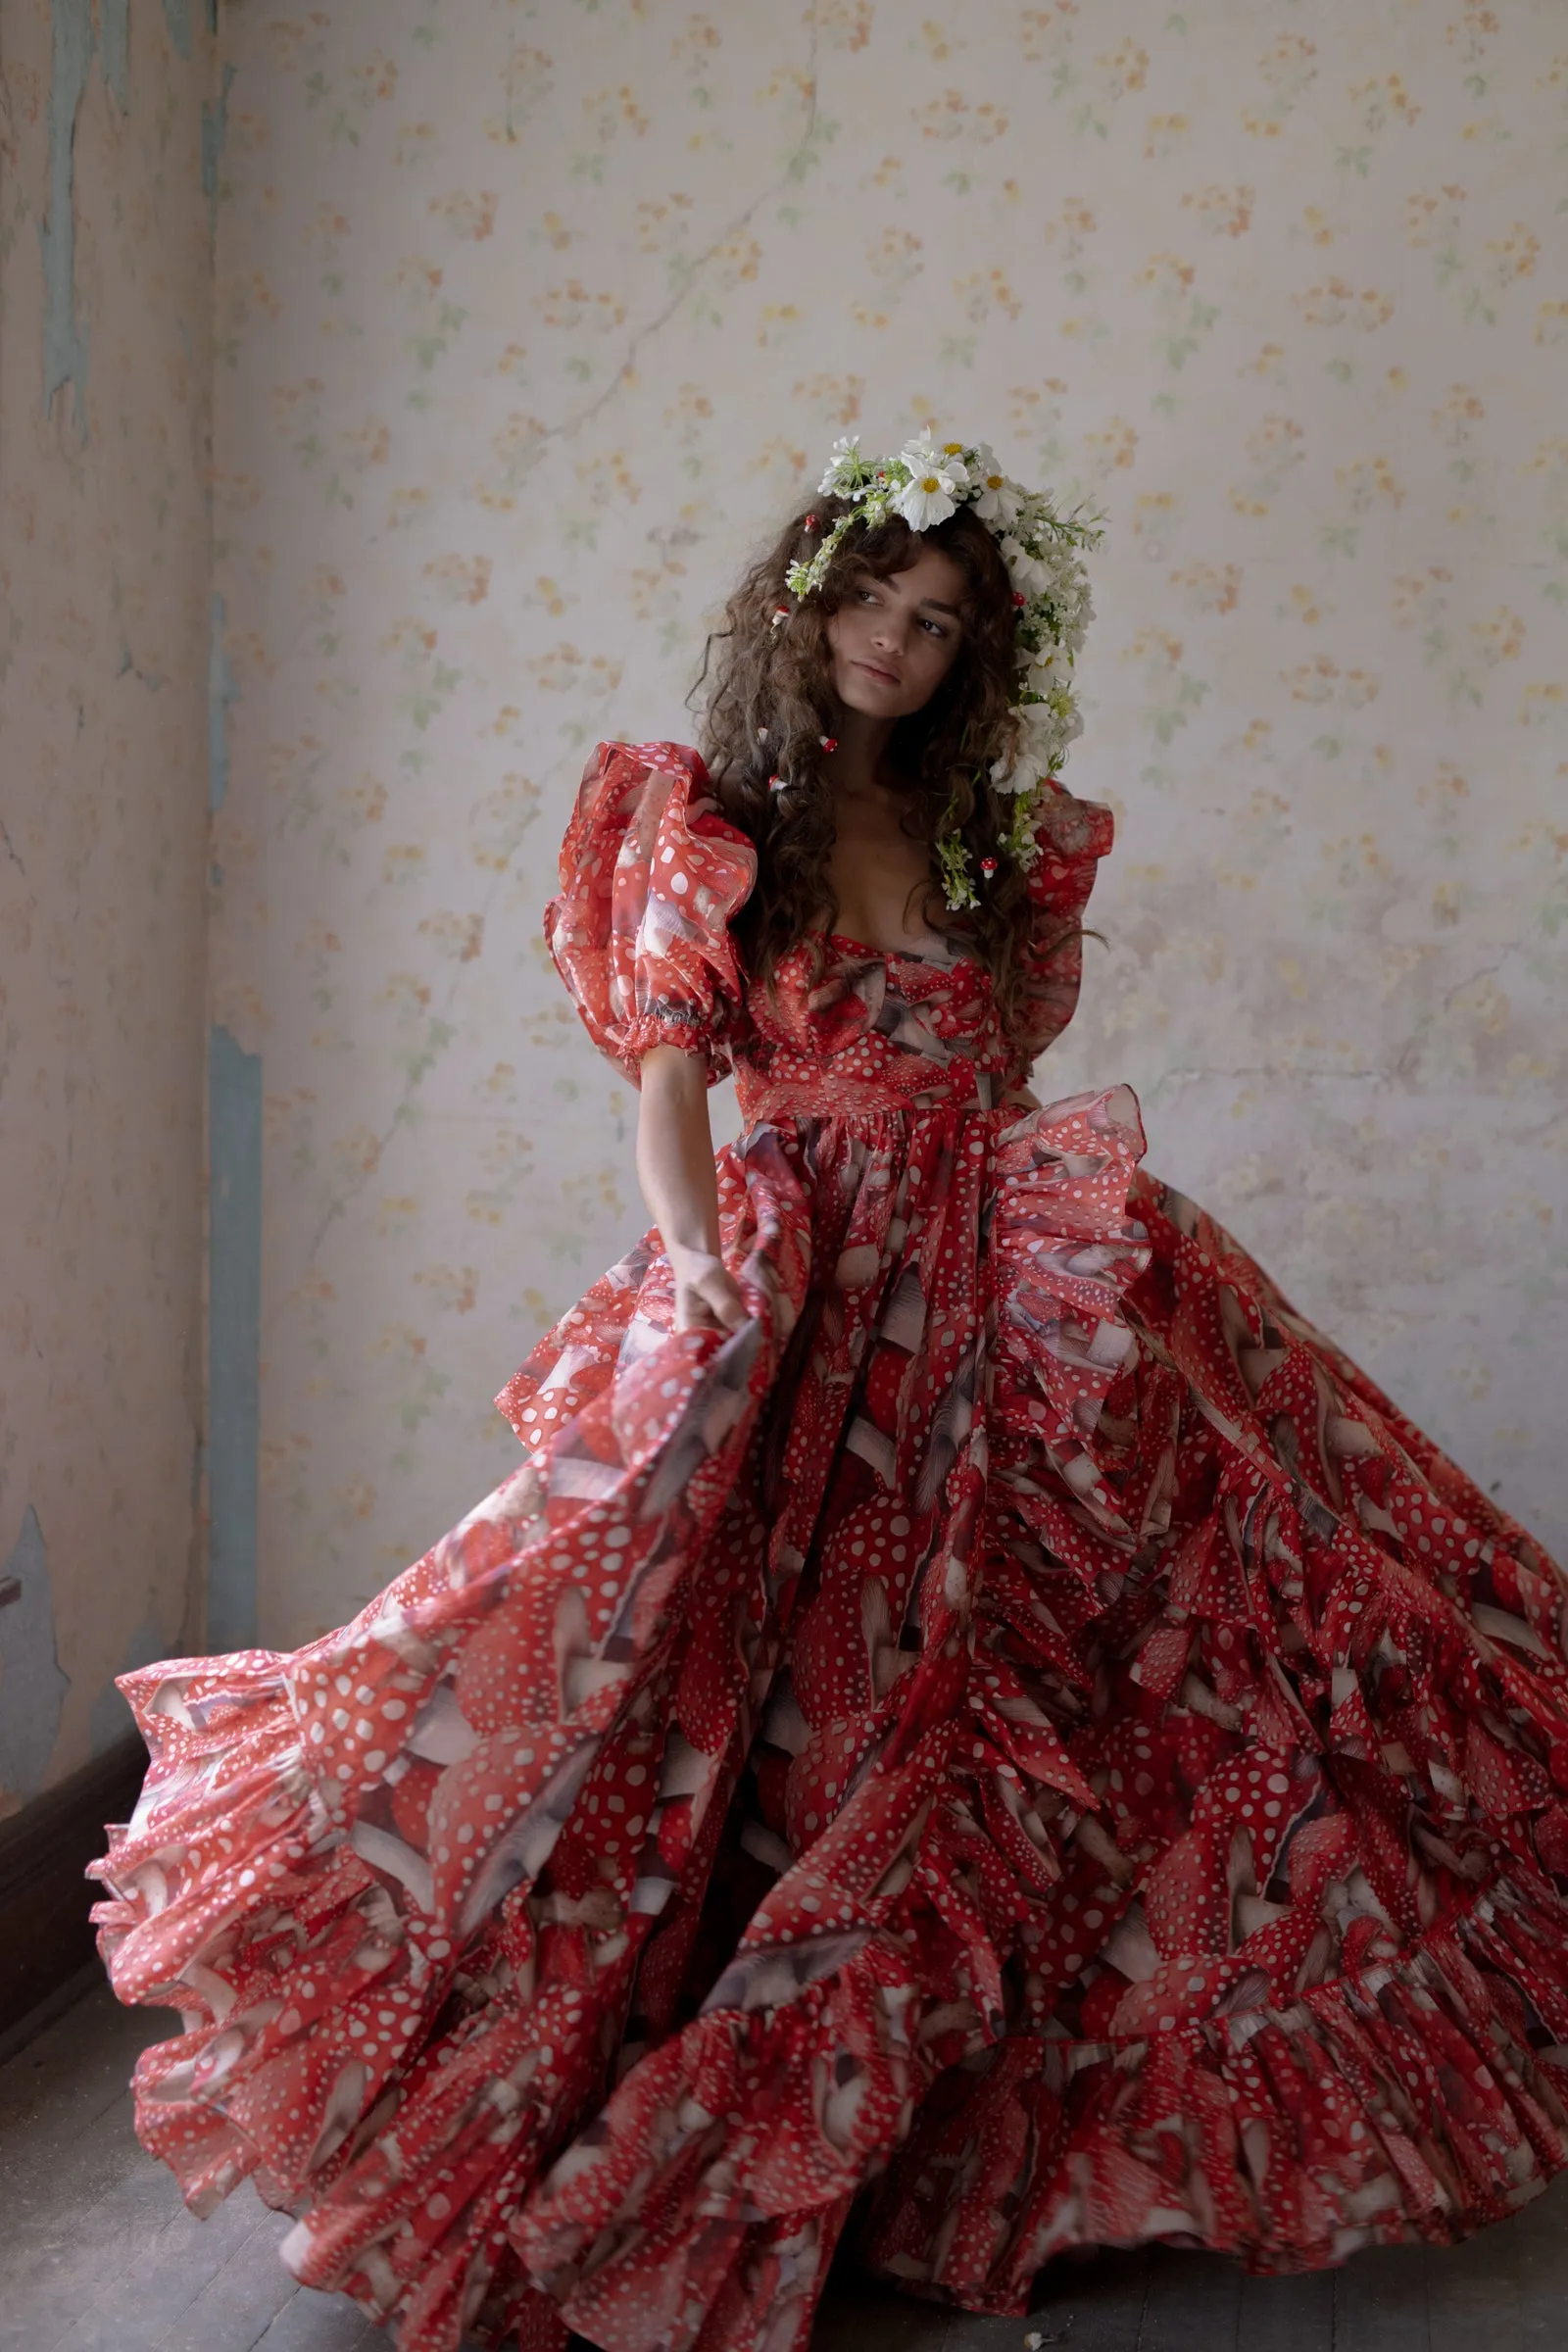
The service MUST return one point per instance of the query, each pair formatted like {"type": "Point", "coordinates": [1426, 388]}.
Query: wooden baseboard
{"type": "Point", "coordinates": [46, 1937]}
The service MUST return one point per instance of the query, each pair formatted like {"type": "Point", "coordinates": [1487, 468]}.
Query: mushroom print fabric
{"type": "Point", "coordinates": [1018, 1747]}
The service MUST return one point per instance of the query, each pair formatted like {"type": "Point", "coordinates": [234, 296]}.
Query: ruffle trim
{"type": "Point", "coordinates": [730, 2159]}
{"type": "Point", "coordinates": [1064, 1252]}
{"type": "Point", "coordinates": [1415, 2099]}
{"type": "Point", "coordinates": [1418, 2099]}
{"type": "Point", "coordinates": [232, 1850]}
{"type": "Point", "coordinates": [1074, 836]}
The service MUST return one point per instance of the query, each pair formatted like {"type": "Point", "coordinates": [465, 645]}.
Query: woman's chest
{"type": "Point", "coordinates": [881, 882]}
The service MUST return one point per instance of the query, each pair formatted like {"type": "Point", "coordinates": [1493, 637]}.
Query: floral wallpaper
{"type": "Point", "coordinates": [532, 319]}
{"type": "Point", "coordinates": [106, 121]}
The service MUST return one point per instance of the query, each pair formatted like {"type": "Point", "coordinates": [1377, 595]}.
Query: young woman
{"type": "Point", "coordinates": [974, 1726]}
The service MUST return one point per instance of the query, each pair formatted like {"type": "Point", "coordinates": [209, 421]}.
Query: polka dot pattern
{"type": "Point", "coordinates": [1023, 1726]}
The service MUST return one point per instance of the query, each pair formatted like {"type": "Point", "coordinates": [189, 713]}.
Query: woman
{"type": "Point", "coordinates": [975, 1721]}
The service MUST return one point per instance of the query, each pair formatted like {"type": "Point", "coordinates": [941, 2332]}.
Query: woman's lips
{"type": "Point", "coordinates": [889, 677]}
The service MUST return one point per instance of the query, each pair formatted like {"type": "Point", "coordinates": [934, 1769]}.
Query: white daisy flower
{"type": "Point", "coordinates": [926, 497]}
{"type": "Point", "coordinates": [926, 456]}
{"type": "Point", "coordinates": [997, 501]}
{"type": "Point", "coordinates": [956, 463]}
{"type": "Point", "coordinates": [1029, 575]}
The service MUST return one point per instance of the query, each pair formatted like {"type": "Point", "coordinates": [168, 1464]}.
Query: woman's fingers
{"type": "Point", "coordinates": [692, 1312]}
{"type": "Point", "coordinates": [706, 1298]}
{"type": "Point", "coordinates": [718, 1291]}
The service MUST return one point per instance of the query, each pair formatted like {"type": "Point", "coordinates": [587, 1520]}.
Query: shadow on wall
{"type": "Point", "coordinates": [32, 1682]}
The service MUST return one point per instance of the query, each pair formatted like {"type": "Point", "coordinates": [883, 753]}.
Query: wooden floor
{"type": "Point", "coordinates": [98, 2255]}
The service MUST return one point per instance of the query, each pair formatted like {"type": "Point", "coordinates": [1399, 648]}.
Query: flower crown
{"type": "Point", "coordinates": [925, 483]}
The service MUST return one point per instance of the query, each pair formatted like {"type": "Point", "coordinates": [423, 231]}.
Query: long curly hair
{"type": "Point", "coordinates": [765, 697]}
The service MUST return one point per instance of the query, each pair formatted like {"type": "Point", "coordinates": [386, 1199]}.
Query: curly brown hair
{"type": "Point", "coordinates": [759, 676]}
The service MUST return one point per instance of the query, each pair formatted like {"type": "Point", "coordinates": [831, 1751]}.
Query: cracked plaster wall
{"type": "Point", "coordinates": [531, 319]}
{"type": "Point", "coordinates": [105, 377]}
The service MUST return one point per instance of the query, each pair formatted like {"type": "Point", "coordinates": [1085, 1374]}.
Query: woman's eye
{"type": "Point", "coordinates": [935, 628]}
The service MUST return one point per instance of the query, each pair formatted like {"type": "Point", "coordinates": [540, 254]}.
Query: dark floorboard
{"type": "Point", "coordinates": [97, 2254]}
{"type": "Point", "coordinates": [1287, 2315]}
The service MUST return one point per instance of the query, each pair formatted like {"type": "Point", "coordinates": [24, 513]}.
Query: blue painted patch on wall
{"type": "Point", "coordinates": [214, 133]}
{"type": "Point", "coordinates": [176, 16]}
{"type": "Point", "coordinates": [220, 692]}
{"type": "Point", "coordinates": [114, 32]}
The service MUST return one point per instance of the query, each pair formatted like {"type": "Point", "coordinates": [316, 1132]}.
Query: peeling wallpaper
{"type": "Point", "coordinates": [104, 379]}
{"type": "Point", "coordinates": [531, 321]}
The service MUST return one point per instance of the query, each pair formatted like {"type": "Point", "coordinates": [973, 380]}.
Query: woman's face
{"type": "Point", "coordinates": [895, 640]}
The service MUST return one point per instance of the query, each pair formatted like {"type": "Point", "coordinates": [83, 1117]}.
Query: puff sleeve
{"type": "Point", "coordinates": [651, 878]}
{"type": "Point", "coordinates": [1073, 836]}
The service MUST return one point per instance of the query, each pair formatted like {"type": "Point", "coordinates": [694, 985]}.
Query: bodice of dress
{"type": "Point", "coordinates": [848, 1027]}
{"type": "Point", "coordinates": [652, 877]}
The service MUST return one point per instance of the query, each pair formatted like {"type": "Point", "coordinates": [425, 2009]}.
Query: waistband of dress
{"type": "Point", "coordinates": [775, 1100]}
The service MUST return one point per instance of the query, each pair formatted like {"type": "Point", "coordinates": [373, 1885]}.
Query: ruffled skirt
{"type": "Point", "coordinates": [1019, 1747]}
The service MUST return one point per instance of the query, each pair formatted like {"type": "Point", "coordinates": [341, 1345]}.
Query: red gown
{"type": "Point", "coordinates": [1021, 1745]}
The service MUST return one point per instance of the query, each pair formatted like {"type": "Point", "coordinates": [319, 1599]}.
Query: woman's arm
{"type": "Point", "coordinates": [675, 1168]}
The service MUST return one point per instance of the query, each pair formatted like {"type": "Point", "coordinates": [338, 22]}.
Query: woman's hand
{"type": "Point", "coordinates": [707, 1294]}
{"type": "Point", "coordinates": [676, 1162]}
